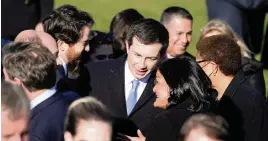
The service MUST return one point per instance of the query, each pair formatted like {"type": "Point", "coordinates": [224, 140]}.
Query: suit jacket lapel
{"type": "Point", "coordinates": [146, 94]}
{"type": "Point", "coordinates": [44, 104]}
{"type": "Point", "coordinates": [117, 86]}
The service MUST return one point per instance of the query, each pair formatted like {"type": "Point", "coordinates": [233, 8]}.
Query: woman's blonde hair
{"type": "Point", "coordinates": [224, 28]}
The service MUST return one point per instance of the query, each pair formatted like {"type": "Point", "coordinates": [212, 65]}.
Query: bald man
{"type": "Point", "coordinates": [40, 38]}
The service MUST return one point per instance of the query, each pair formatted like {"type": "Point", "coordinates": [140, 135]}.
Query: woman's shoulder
{"type": "Point", "coordinates": [251, 66]}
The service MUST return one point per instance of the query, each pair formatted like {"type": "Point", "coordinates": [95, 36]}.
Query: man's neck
{"type": "Point", "coordinates": [61, 60]}
{"type": "Point", "coordinates": [222, 84]}
{"type": "Point", "coordinates": [33, 95]}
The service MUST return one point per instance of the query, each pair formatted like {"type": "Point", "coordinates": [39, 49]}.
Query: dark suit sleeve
{"type": "Point", "coordinates": [34, 138]}
{"type": "Point", "coordinates": [161, 130]}
{"type": "Point", "coordinates": [248, 4]}
{"type": "Point", "coordinates": [46, 6]}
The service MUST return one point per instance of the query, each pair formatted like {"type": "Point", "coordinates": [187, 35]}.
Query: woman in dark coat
{"type": "Point", "coordinates": [252, 68]}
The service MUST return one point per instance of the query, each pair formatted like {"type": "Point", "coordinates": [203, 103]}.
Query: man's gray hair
{"type": "Point", "coordinates": [14, 101]}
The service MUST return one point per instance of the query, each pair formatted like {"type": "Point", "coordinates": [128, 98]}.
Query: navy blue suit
{"type": "Point", "coordinates": [107, 83]}
{"type": "Point", "coordinates": [47, 118]}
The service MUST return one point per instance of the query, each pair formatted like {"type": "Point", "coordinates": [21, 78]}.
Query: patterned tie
{"type": "Point", "coordinates": [132, 98]}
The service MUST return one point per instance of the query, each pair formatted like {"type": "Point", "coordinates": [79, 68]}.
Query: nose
{"type": "Point", "coordinates": [184, 39]}
{"type": "Point", "coordinates": [154, 89]}
{"type": "Point", "coordinates": [18, 138]}
{"type": "Point", "coordinates": [142, 63]}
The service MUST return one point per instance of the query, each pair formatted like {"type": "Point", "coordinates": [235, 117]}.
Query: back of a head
{"type": "Point", "coordinates": [122, 21]}
{"type": "Point", "coordinates": [13, 47]}
{"type": "Point", "coordinates": [186, 79]}
{"type": "Point", "coordinates": [66, 23]}
{"type": "Point", "coordinates": [49, 42]}
{"type": "Point", "coordinates": [28, 36]}
{"type": "Point", "coordinates": [34, 66]}
{"type": "Point", "coordinates": [216, 27]}
{"type": "Point", "coordinates": [86, 109]}
{"type": "Point", "coordinates": [149, 31]}
{"type": "Point", "coordinates": [176, 11]}
{"type": "Point", "coordinates": [202, 125]}
{"type": "Point", "coordinates": [14, 101]}
{"type": "Point", "coordinates": [222, 50]}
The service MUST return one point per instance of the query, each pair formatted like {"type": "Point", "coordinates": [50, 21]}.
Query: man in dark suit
{"type": "Point", "coordinates": [240, 103]}
{"type": "Point", "coordinates": [246, 17]}
{"type": "Point", "coordinates": [178, 21]}
{"type": "Point", "coordinates": [34, 69]}
{"type": "Point", "coordinates": [125, 85]}
{"type": "Point", "coordinates": [65, 24]}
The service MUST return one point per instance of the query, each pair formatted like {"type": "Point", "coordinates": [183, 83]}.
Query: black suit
{"type": "Point", "coordinates": [245, 110]}
{"type": "Point", "coordinates": [107, 82]}
{"type": "Point", "coordinates": [166, 126]}
{"type": "Point", "coordinates": [47, 118]}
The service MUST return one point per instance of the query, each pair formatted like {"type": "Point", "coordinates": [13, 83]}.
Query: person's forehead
{"type": "Point", "coordinates": [179, 23]}
{"type": "Point", "coordinates": [13, 125]}
{"type": "Point", "coordinates": [150, 50]}
{"type": "Point", "coordinates": [104, 49]}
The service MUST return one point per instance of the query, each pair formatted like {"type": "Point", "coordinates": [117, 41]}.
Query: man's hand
{"type": "Point", "coordinates": [123, 137]}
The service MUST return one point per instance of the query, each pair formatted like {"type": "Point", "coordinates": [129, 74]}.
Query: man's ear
{"type": "Point", "coordinates": [68, 136]}
{"type": "Point", "coordinates": [17, 81]}
{"type": "Point", "coordinates": [127, 46]}
{"type": "Point", "coordinates": [62, 46]}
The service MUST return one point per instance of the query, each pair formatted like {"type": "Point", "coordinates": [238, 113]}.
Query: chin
{"type": "Point", "coordinates": [140, 76]}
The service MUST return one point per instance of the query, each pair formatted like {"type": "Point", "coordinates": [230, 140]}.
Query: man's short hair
{"type": "Point", "coordinates": [175, 11]}
{"type": "Point", "coordinates": [66, 23]}
{"type": "Point", "coordinates": [35, 66]}
{"type": "Point", "coordinates": [14, 101]}
{"type": "Point", "coordinates": [149, 31]}
{"type": "Point", "coordinates": [88, 109]}
{"type": "Point", "coordinates": [214, 126]}
{"type": "Point", "coordinates": [222, 50]}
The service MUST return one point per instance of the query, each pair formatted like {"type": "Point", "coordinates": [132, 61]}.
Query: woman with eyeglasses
{"type": "Point", "coordinates": [182, 89]}
{"type": "Point", "coordinates": [239, 102]}
{"type": "Point", "coordinates": [253, 69]}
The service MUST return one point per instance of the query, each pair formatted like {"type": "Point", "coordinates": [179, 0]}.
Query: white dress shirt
{"type": "Point", "coordinates": [42, 97]}
{"type": "Point", "coordinates": [128, 82]}
{"type": "Point", "coordinates": [169, 56]}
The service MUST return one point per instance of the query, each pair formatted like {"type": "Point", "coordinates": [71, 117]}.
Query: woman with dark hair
{"type": "Point", "coordinates": [183, 89]}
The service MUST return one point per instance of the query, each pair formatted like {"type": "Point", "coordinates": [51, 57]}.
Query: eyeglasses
{"type": "Point", "coordinates": [201, 61]}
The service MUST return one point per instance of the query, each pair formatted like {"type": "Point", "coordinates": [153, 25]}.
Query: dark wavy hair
{"type": "Point", "coordinates": [186, 79]}
{"type": "Point", "coordinates": [66, 23]}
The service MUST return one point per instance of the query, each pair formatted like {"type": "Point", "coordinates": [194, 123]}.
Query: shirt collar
{"type": "Point", "coordinates": [42, 97]}
{"type": "Point", "coordinates": [129, 76]}
{"type": "Point", "coordinates": [64, 65]}
{"type": "Point", "coordinates": [169, 56]}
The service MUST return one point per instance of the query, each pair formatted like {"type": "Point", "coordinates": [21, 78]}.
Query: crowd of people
{"type": "Point", "coordinates": [64, 81]}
